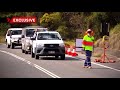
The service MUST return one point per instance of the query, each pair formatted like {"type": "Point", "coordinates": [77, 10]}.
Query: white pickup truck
{"type": "Point", "coordinates": [27, 33]}
{"type": "Point", "coordinates": [13, 37]}
{"type": "Point", "coordinates": [47, 43]}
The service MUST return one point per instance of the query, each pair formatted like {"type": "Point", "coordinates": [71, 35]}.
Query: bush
{"type": "Point", "coordinates": [63, 30]}
{"type": "Point", "coordinates": [2, 39]}
{"type": "Point", "coordinates": [114, 39]}
{"type": "Point", "coordinates": [3, 28]}
{"type": "Point", "coordinates": [115, 30]}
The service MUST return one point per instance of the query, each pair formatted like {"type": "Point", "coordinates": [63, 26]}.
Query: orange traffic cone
{"type": "Point", "coordinates": [69, 51]}
{"type": "Point", "coordinates": [74, 52]}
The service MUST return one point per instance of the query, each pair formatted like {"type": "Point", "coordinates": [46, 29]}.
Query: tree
{"type": "Point", "coordinates": [52, 21]}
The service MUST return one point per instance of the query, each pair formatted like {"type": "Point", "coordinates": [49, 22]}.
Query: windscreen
{"type": "Point", "coordinates": [16, 32]}
{"type": "Point", "coordinates": [48, 36]}
{"type": "Point", "coordinates": [30, 32]}
{"type": "Point", "coordinates": [42, 29]}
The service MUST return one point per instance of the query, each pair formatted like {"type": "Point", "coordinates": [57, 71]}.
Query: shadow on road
{"type": "Point", "coordinates": [99, 68]}
{"type": "Point", "coordinates": [66, 59]}
{"type": "Point", "coordinates": [17, 47]}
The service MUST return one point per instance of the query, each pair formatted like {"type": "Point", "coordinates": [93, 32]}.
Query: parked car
{"type": "Point", "coordinates": [13, 37]}
{"type": "Point", "coordinates": [27, 33]}
{"type": "Point", "coordinates": [47, 43]}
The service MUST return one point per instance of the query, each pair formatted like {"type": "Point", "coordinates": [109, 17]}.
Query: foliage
{"type": "Point", "coordinates": [115, 30]}
{"type": "Point", "coordinates": [71, 25]}
{"type": "Point", "coordinates": [3, 28]}
{"type": "Point", "coordinates": [51, 20]}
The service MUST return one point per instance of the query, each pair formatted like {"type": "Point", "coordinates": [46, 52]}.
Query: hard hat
{"type": "Point", "coordinates": [89, 30]}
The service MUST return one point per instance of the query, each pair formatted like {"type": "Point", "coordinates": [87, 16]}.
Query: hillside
{"type": "Point", "coordinates": [114, 39]}
{"type": "Point", "coordinates": [70, 25]}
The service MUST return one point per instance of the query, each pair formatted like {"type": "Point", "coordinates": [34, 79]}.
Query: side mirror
{"type": "Point", "coordinates": [23, 36]}
{"type": "Point", "coordinates": [8, 34]}
{"type": "Point", "coordinates": [32, 38]}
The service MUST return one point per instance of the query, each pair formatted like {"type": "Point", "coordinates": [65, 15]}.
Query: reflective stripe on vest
{"type": "Point", "coordinates": [87, 43]}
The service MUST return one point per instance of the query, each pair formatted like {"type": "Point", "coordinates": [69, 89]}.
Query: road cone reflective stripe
{"type": "Point", "coordinates": [68, 51]}
{"type": "Point", "coordinates": [74, 52]}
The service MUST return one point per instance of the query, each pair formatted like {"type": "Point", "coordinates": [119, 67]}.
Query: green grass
{"type": "Point", "coordinates": [97, 54]}
{"type": "Point", "coordinates": [71, 42]}
{"type": "Point", "coordinates": [2, 39]}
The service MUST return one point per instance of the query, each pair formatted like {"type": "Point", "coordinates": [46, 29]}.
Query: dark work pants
{"type": "Point", "coordinates": [88, 58]}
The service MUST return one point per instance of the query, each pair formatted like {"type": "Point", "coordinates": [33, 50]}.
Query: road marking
{"type": "Point", "coordinates": [28, 62]}
{"type": "Point", "coordinates": [106, 66]}
{"type": "Point", "coordinates": [98, 64]}
{"type": "Point", "coordinates": [34, 65]}
{"type": "Point", "coordinates": [46, 71]}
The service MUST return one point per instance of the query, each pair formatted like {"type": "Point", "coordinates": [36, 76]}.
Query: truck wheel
{"type": "Point", "coordinates": [32, 54]}
{"type": "Point", "coordinates": [63, 57]}
{"type": "Point", "coordinates": [23, 51]}
{"type": "Point", "coordinates": [8, 46]}
{"type": "Point", "coordinates": [36, 56]}
{"type": "Point", "coordinates": [56, 56]}
{"type": "Point", "coordinates": [26, 52]}
{"type": "Point", "coordinates": [12, 46]}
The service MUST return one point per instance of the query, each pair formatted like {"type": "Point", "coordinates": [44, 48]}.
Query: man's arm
{"type": "Point", "coordinates": [83, 45]}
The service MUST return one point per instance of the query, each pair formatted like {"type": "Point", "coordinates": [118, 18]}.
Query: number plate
{"type": "Point", "coordinates": [51, 52]}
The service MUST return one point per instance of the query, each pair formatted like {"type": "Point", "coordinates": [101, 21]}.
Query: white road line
{"type": "Point", "coordinates": [28, 62]}
{"type": "Point", "coordinates": [98, 64]}
{"type": "Point", "coordinates": [34, 65]}
{"type": "Point", "coordinates": [46, 71]}
{"type": "Point", "coordinates": [106, 66]}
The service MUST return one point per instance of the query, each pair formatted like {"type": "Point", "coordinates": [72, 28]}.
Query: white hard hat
{"type": "Point", "coordinates": [89, 30]}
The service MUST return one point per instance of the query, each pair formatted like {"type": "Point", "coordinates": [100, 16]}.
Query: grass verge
{"type": "Point", "coordinates": [2, 39]}
{"type": "Point", "coordinates": [71, 42]}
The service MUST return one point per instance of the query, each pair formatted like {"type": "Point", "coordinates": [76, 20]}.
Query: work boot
{"type": "Point", "coordinates": [85, 67]}
{"type": "Point", "coordinates": [89, 67]}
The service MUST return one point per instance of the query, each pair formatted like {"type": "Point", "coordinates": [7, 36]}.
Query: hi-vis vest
{"type": "Point", "coordinates": [88, 42]}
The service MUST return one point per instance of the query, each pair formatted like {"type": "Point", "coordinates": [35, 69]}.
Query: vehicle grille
{"type": "Point", "coordinates": [51, 45]}
{"type": "Point", "coordinates": [56, 50]}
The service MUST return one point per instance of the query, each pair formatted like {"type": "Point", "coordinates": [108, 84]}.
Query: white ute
{"type": "Point", "coordinates": [13, 37]}
{"type": "Point", "coordinates": [47, 43]}
{"type": "Point", "coordinates": [27, 33]}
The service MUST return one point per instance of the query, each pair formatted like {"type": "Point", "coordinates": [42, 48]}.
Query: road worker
{"type": "Point", "coordinates": [87, 44]}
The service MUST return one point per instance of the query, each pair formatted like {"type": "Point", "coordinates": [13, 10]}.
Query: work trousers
{"type": "Point", "coordinates": [88, 58]}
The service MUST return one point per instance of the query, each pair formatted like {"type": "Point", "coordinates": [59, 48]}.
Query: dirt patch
{"type": "Point", "coordinates": [111, 53]}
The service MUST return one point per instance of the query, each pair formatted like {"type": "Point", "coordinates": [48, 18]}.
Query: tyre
{"type": "Point", "coordinates": [26, 52]}
{"type": "Point", "coordinates": [12, 46]}
{"type": "Point", "coordinates": [63, 57]}
{"type": "Point", "coordinates": [8, 46]}
{"type": "Point", "coordinates": [32, 54]}
{"type": "Point", "coordinates": [56, 56]}
{"type": "Point", "coordinates": [23, 51]}
{"type": "Point", "coordinates": [36, 56]}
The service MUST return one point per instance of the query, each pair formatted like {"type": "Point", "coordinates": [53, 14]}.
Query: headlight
{"type": "Point", "coordinates": [27, 42]}
{"type": "Point", "coordinates": [62, 45]}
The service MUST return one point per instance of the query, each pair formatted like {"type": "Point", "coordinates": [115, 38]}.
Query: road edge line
{"type": "Point", "coordinates": [32, 64]}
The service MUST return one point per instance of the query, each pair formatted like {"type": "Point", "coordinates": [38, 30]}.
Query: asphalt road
{"type": "Point", "coordinates": [15, 64]}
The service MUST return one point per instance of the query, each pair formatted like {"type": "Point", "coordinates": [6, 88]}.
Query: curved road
{"type": "Point", "coordinates": [15, 64]}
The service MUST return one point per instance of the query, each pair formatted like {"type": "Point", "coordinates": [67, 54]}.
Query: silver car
{"type": "Point", "coordinates": [27, 33]}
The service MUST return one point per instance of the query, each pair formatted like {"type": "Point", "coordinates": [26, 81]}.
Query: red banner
{"type": "Point", "coordinates": [22, 20]}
